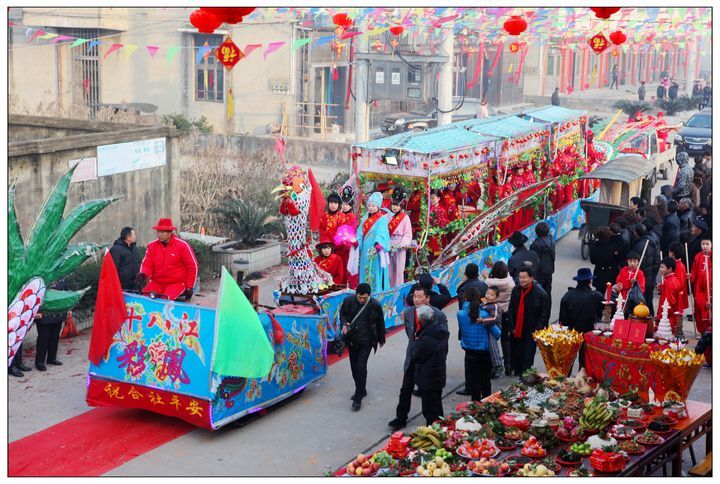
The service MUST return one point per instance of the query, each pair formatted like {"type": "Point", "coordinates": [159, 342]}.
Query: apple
{"type": "Point", "coordinates": [359, 471]}
{"type": "Point", "coordinates": [367, 464]}
{"type": "Point", "coordinates": [361, 458]}
{"type": "Point", "coordinates": [351, 469]}
{"type": "Point", "coordinates": [375, 466]}
{"type": "Point", "coordinates": [367, 471]}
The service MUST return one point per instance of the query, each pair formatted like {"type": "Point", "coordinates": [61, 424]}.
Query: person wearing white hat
{"type": "Point", "coordinates": [373, 239]}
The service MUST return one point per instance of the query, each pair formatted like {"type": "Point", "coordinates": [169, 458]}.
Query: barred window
{"type": "Point", "coordinates": [209, 72]}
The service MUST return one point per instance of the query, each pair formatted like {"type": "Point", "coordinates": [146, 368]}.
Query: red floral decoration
{"type": "Point", "coordinates": [515, 25]}
{"type": "Point", "coordinates": [604, 12]}
{"type": "Point", "coordinates": [342, 20]}
{"type": "Point", "coordinates": [514, 47]}
{"type": "Point", "coordinates": [397, 30]}
{"type": "Point", "coordinates": [617, 37]}
{"type": "Point", "coordinates": [204, 21]}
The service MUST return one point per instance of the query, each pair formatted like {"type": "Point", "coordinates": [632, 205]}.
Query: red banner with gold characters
{"type": "Point", "coordinates": [114, 393]}
{"type": "Point", "coordinates": [228, 54]}
{"type": "Point", "coordinates": [599, 43]}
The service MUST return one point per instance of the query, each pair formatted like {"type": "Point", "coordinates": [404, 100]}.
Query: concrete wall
{"type": "Point", "coordinates": [297, 150]}
{"type": "Point", "coordinates": [147, 195]}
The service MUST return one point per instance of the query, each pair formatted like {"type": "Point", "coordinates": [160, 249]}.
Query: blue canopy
{"type": "Point", "coordinates": [505, 127]}
{"type": "Point", "coordinates": [445, 138]}
{"type": "Point", "coordinates": [553, 114]}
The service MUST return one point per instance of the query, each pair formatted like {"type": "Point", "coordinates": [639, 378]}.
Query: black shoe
{"type": "Point", "coordinates": [464, 392]}
{"type": "Point", "coordinates": [22, 367]}
{"type": "Point", "coordinates": [40, 367]}
{"type": "Point", "coordinates": [15, 372]}
{"type": "Point", "coordinates": [55, 362]}
{"type": "Point", "coordinates": [416, 393]}
{"type": "Point", "coordinates": [356, 405]}
{"type": "Point", "coordinates": [397, 424]}
{"type": "Point", "coordinates": [361, 397]}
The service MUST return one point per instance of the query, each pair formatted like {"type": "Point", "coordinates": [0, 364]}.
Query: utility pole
{"type": "Point", "coordinates": [445, 82]}
{"type": "Point", "coordinates": [362, 68]}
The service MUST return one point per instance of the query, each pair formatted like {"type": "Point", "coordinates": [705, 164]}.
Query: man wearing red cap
{"type": "Point", "coordinates": [386, 190]}
{"type": "Point", "coordinates": [169, 267]}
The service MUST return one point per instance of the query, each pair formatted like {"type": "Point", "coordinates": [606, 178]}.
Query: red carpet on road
{"type": "Point", "coordinates": [92, 443]}
{"type": "Point", "coordinates": [100, 440]}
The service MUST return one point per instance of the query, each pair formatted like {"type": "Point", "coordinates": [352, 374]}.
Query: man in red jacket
{"type": "Point", "coordinates": [671, 290]}
{"type": "Point", "coordinates": [169, 266]}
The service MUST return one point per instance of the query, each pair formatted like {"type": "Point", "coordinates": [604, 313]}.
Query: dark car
{"type": "Point", "coordinates": [695, 137]}
{"type": "Point", "coordinates": [426, 116]}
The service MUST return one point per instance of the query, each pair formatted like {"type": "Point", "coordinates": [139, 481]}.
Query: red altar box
{"type": "Point", "coordinates": [637, 333]}
{"type": "Point", "coordinates": [621, 328]}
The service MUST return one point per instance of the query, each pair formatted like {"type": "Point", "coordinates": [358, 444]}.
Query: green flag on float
{"type": "Point", "coordinates": [242, 347]}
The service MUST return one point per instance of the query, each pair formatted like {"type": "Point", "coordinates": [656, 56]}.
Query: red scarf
{"type": "Point", "coordinates": [521, 312]}
{"type": "Point", "coordinates": [370, 221]}
{"type": "Point", "coordinates": [395, 221]}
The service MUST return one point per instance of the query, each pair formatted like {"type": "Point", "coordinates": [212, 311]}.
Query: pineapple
{"type": "Point", "coordinates": [45, 259]}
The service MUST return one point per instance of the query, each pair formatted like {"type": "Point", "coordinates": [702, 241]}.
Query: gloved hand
{"type": "Point", "coordinates": [141, 279]}
{"type": "Point", "coordinates": [188, 293]}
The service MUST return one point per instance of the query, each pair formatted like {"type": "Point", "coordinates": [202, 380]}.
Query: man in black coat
{"type": "Point", "coordinates": [471, 281]}
{"type": "Point", "coordinates": [686, 215]}
{"type": "Point", "coordinates": [363, 325]}
{"type": "Point", "coordinates": [521, 257]}
{"type": "Point", "coordinates": [581, 307]}
{"type": "Point", "coordinates": [127, 262]}
{"type": "Point", "coordinates": [429, 356]}
{"type": "Point", "coordinates": [49, 325]}
{"type": "Point", "coordinates": [529, 311]}
{"type": "Point", "coordinates": [437, 300]}
{"type": "Point", "coordinates": [555, 98]}
{"type": "Point", "coordinates": [651, 262]}
{"type": "Point", "coordinates": [421, 298]}
{"type": "Point", "coordinates": [670, 228]}
{"type": "Point", "coordinates": [697, 232]}
{"type": "Point", "coordinates": [544, 247]}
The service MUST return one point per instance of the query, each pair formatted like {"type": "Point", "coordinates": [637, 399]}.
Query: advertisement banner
{"type": "Point", "coordinates": [135, 155]}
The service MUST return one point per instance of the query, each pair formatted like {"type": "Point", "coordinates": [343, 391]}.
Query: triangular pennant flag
{"type": "Point", "coordinates": [110, 311]}
{"type": "Point", "coordinates": [250, 47]}
{"type": "Point", "coordinates": [60, 38]}
{"type": "Point", "coordinates": [112, 49]}
{"type": "Point", "coordinates": [152, 49]}
{"type": "Point", "coordinates": [242, 347]}
{"type": "Point", "coordinates": [299, 43]}
{"type": "Point", "coordinates": [49, 35]}
{"type": "Point", "coordinates": [376, 31]}
{"type": "Point", "coordinates": [348, 35]}
{"type": "Point", "coordinates": [36, 34]}
{"type": "Point", "coordinates": [93, 44]}
{"type": "Point", "coordinates": [201, 54]}
{"type": "Point", "coordinates": [171, 53]}
{"type": "Point", "coordinates": [324, 40]}
{"type": "Point", "coordinates": [130, 50]}
{"type": "Point", "coordinates": [272, 47]}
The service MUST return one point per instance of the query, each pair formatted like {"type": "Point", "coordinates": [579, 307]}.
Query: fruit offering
{"type": "Point", "coordinates": [533, 448]}
{"type": "Point", "coordinates": [535, 470]}
{"type": "Point", "coordinates": [504, 443]}
{"type": "Point", "coordinates": [444, 454]}
{"type": "Point", "coordinates": [583, 448]}
{"type": "Point", "coordinates": [489, 467]}
{"type": "Point", "coordinates": [478, 448]}
{"type": "Point", "coordinates": [580, 472]}
{"type": "Point", "coordinates": [517, 461]}
{"type": "Point", "coordinates": [513, 434]}
{"type": "Point", "coordinates": [649, 438]}
{"type": "Point", "coordinates": [362, 466]}
{"type": "Point", "coordinates": [659, 427]}
{"type": "Point", "coordinates": [436, 467]}
{"type": "Point", "coordinates": [596, 415]}
{"type": "Point", "coordinates": [550, 463]}
{"type": "Point", "coordinates": [568, 457]}
{"type": "Point", "coordinates": [631, 447]}
{"type": "Point", "coordinates": [622, 432]}
{"type": "Point", "coordinates": [665, 419]}
{"type": "Point", "coordinates": [633, 423]}
{"type": "Point", "coordinates": [383, 459]}
{"type": "Point", "coordinates": [425, 437]}
{"type": "Point", "coordinates": [570, 435]}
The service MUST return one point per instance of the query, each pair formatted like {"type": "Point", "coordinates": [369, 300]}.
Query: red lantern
{"type": "Point", "coordinates": [452, 157]}
{"type": "Point", "coordinates": [397, 30]}
{"type": "Point", "coordinates": [342, 20]}
{"type": "Point", "coordinates": [231, 15]}
{"type": "Point", "coordinates": [515, 25]}
{"type": "Point", "coordinates": [617, 37]}
{"type": "Point", "coordinates": [204, 21]}
{"type": "Point", "coordinates": [598, 43]}
{"type": "Point", "coordinates": [604, 12]}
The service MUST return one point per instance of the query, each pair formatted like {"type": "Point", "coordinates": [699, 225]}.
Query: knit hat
{"type": "Point", "coordinates": [376, 198]}
{"type": "Point", "coordinates": [682, 158]}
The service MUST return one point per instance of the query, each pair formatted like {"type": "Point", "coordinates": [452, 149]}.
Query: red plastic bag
{"type": "Point", "coordinates": [70, 330]}
{"type": "Point", "coordinates": [278, 331]}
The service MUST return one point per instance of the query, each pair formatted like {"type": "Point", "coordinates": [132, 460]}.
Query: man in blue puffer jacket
{"type": "Point", "coordinates": [475, 339]}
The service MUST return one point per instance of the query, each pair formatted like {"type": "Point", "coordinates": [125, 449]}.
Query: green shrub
{"type": "Point", "coordinates": [182, 124]}
{"type": "Point", "coordinates": [205, 258]}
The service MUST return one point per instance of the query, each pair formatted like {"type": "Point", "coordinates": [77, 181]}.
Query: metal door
{"type": "Point", "coordinates": [86, 70]}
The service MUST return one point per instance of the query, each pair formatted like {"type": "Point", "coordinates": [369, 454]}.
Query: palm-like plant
{"type": "Point", "coordinates": [46, 258]}
{"type": "Point", "coordinates": [630, 107]}
{"type": "Point", "coordinates": [249, 220]}
{"type": "Point", "coordinates": [674, 106]}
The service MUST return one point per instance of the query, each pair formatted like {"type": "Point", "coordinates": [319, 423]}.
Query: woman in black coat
{"type": "Point", "coordinates": [606, 255]}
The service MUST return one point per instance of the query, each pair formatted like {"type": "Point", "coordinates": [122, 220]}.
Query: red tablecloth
{"type": "Point", "coordinates": [626, 365]}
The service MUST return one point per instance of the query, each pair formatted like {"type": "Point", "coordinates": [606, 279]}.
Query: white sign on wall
{"type": "Point", "coordinates": [379, 77]}
{"type": "Point", "coordinates": [135, 155]}
{"type": "Point", "coordinates": [395, 78]}
{"type": "Point", "coordinates": [86, 170]}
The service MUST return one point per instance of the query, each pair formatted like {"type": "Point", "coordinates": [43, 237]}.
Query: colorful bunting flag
{"type": "Point", "coordinates": [299, 43]}
{"type": "Point", "coordinates": [250, 47]}
{"type": "Point", "coordinates": [272, 47]}
{"type": "Point", "coordinates": [112, 49]}
{"type": "Point", "coordinates": [171, 53]}
{"type": "Point", "coordinates": [129, 50]}
{"type": "Point", "coordinates": [152, 50]}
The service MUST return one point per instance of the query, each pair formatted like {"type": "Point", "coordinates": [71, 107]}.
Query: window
{"type": "Point", "coordinates": [414, 76]}
{"type": "Point", "coordinates": [551, 65]}
{"type": "Point", "coordinates": [209, 73]}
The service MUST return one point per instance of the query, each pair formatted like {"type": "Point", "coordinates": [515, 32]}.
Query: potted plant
{"type": "Point", "coordinates": [250, 224]}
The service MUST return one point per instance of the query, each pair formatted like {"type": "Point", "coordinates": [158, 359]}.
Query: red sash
{"type": "Point", "coordinates": [395, 221]}
{"type": "Point", "coordinates": [370, 221]}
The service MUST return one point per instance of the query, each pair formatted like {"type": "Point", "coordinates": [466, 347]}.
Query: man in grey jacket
{"type": "Point", "coordinates": [421, 298]}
